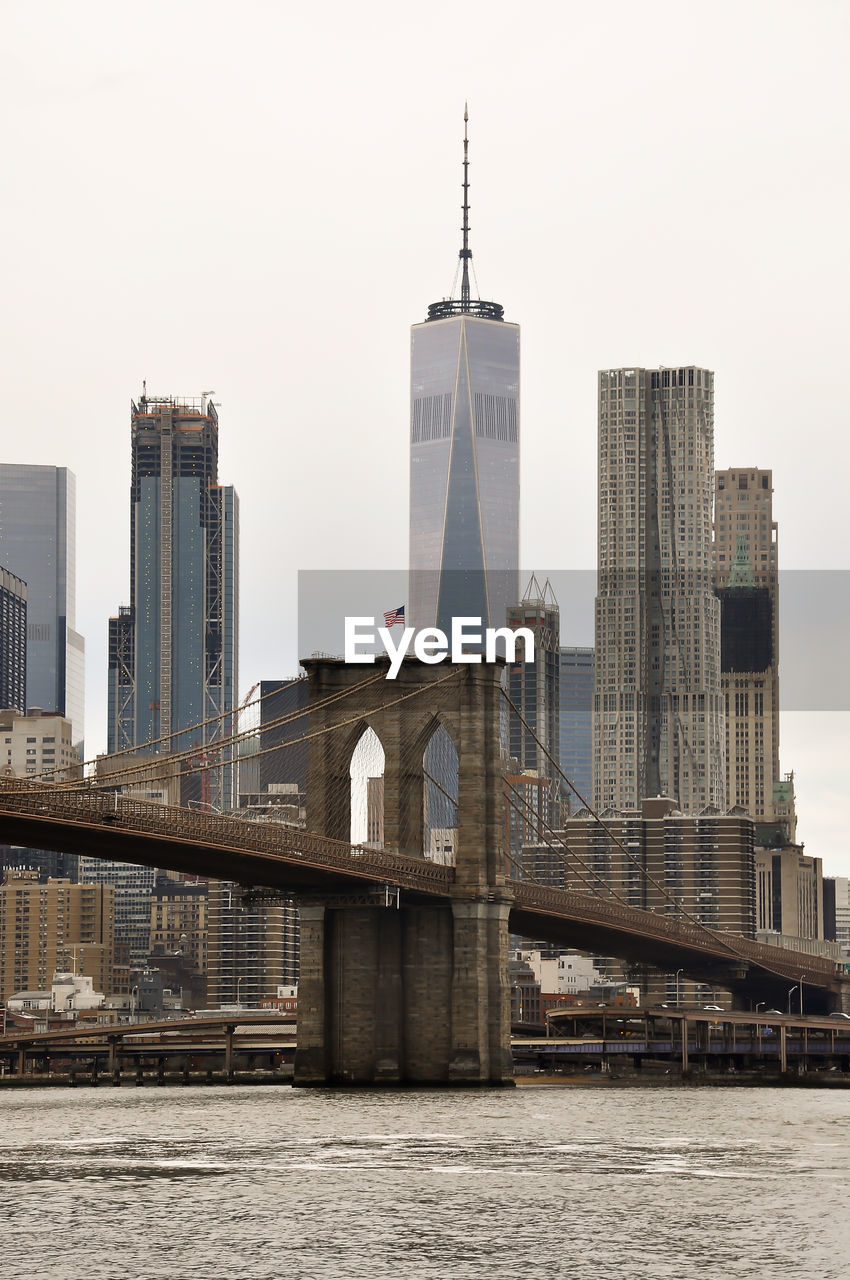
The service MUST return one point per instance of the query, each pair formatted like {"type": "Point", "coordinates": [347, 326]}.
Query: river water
{"type": "Point", "coordinates": [543, 1181]}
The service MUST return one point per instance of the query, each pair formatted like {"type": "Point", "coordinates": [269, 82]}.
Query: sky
{"type": "Point", "coordinates": [260, 198]}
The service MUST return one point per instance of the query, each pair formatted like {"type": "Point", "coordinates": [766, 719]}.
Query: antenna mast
{"type": "Point", "coordinates": [465, 305]}
{"type": "Point", "coordinates": [466, 252]}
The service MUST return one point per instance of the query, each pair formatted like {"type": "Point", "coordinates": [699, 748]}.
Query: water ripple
{"type": "Point", "coordinates": [259, 1184]}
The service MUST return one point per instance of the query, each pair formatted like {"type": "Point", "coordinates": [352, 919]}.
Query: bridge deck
{"type": "Point", "coordinates": [289, 859]}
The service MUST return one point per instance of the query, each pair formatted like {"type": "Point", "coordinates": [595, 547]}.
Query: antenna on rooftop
{"type": "Point", "coordinates": [466, 252]}
{"type": "Point", "coordinates": [465, 305]}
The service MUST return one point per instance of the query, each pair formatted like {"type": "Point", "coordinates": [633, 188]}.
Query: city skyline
{"type": "Point", "coordinates": [762, 290]}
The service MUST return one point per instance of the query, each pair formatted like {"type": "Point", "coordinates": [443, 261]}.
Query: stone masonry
{"type": "Point", "coordinates": [415, 993]}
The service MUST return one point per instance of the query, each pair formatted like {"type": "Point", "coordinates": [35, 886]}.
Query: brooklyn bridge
{"type": "Point", "coordinates": [403, 975]}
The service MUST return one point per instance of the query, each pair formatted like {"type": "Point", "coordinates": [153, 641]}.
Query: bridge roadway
{"type": "Point", "coordinates": [85, 820]}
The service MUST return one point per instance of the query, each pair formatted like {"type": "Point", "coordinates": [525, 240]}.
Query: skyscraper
{"type": "Point", "coordinates": [38, 544]}
{"type": "Point", "coordinates": [464, 455]}
{"type": "Point", "coordinates": [173, 652]}
{"type": "Point", "coordinates": [576, 722]}
{"type": "Point", "coordinates": [534, 687]}
{"type": "Point", "coordinates": [658, 710]}
{"type": "Point", "coordinates": [533, 784]}
{"type": "Point", "coordinates": [13, 641]}
{"type": "Point", "coordinates": [747, 581]}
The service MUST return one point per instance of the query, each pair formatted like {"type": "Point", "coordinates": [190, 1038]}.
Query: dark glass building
{"type": "Point", "coordinates": [273, 768]}
{"type": "Point", "coordinates": [50, 866]}
{"type": "Point", "coordinates": [576, 727]}
{"type": "Point", "coordinates": [13, 641]}
{"type": "Point", "coordinates": [38, 544]}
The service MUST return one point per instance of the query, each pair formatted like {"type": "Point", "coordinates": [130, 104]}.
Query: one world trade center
{"type": "Point", "coordinates": [464, 456]}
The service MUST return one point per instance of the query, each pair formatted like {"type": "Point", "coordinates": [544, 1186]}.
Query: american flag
{"type": "Point", "coordinates": [392, 616]}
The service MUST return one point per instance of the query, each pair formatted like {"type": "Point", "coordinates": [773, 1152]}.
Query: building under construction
{"type": "Point", "coordinates": [173, 651]}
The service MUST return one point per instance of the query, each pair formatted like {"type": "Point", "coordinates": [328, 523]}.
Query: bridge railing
{"type": "Point", "coordinates": [87, 805]}
{"type": "Point", "coordinates": [570, 902]}
{"type": "Point", "coordinates": [794, 964]}
{"type": "Point", "coordinates": [108, 810]}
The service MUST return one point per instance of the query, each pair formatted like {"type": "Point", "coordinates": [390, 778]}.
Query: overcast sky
{"type": "Point", "coordinates": [261, 197]}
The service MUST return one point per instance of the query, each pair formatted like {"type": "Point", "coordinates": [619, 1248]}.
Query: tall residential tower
{"type": "Point", "coordinates": [658, 710]}
{"type": "Point", "coordinates": [464, 456]}
{"type": "Point", "coordinates": [173, 651]}
{"type": "Point", "coordinates": [746, 573]}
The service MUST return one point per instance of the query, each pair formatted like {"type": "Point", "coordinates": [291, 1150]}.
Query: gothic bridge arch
{"type": "Point", "coordinates": [416, 993]}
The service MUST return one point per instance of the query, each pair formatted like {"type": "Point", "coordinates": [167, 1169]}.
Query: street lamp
{"type": "Point", "coordinates": [678, 999]}
{"type": "Point", "coordinates": [790, 994]}
{"type": "Point", "coordinates": [759, 1004]}
{"type": "Point", "coordinates": [239, 982]}
{"type": "Point", "coordinates": [802, 976]}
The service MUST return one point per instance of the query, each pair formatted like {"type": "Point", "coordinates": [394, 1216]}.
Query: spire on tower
{"type": "Point", "coordinates": [465, 304]}
{"type": "Point", "coordinates": [465, 252]}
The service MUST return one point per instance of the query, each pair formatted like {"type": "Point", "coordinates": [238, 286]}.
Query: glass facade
{"type": "Point", "coordinates": [13, 641]}
{"type": "Point", "coordinates": [464, 470]}
{"type": "Point", "coordinates": [38, 544]}
{"type": "Point", "coordinates": [576, 736]}
{"type": "Point", "coordinates": [173, 652]}
{"type": "Point", "coordinates": [133, 888]}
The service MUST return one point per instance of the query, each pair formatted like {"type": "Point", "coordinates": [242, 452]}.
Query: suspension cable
{"type": "Point", "coordinates": [713, 933]}
{"type": "Point", "coordinates": [166, 769]}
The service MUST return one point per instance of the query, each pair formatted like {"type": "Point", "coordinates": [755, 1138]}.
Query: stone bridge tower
{"type": "Point", "coordinates": [415, 993]}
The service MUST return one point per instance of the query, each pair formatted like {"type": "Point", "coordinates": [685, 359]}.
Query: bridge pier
{"type": "Point", "coordinates": [112, 1059]}
{"type": "Point", "coordinates": [415, 995]}
{"type": "Point", "coordinates": [411, 992]}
